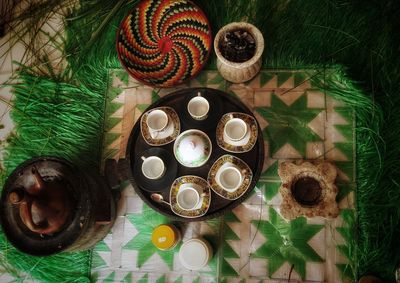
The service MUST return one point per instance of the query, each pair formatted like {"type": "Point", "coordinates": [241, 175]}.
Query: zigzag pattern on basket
{"type": "Point", "coordinates": [163, 42]}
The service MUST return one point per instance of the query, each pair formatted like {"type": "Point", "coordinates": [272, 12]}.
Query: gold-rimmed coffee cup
{"type": "Point", "coordinates": [198, 107]}
{"type": "Point", "coordinates": [188, 198]}
{"type": "Point", "coordinates": [235, 129]}
{"type": "Point", "coordinates": [229, 178]}
{"type": "Point", "coordinates": [153, 167]}
{"type": "Point", "coordinates": [157, 120]}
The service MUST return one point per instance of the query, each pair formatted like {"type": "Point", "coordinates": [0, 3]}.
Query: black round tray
{"type": "Point", "coordinates": [220, 103]}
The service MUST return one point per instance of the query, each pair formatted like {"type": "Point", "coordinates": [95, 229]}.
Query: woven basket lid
{"type": "Point", "coordinates": [163, 42]}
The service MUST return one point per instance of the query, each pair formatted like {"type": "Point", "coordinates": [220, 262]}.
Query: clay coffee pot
{"type": "Point", "coordinates": [44, 206]}
{"type": "Point", "coordinates": [49, 205]}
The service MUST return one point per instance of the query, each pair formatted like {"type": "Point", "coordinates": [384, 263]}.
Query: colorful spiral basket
{"type": "Point", "coordinates": [164, 42]}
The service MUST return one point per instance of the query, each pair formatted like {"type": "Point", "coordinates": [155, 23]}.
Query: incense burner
{"type": "Point", "coordinates": [308, 190]}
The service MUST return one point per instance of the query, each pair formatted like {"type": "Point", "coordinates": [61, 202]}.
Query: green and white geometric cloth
{"type": "Point", "coordinates": [252, 243]}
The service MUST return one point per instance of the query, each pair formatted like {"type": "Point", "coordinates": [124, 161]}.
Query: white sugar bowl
{"type": "Point", "coordinates": [192, 148]}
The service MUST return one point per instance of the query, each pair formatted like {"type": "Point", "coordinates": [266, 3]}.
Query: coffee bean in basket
{"type": "Point", "coordinates": [237, 46]}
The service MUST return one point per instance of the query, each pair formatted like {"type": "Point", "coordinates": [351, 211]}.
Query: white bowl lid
{"type": "Point", "coordinates": [192, 148]}
{"type": "Point", "coordinates": [194, 254]}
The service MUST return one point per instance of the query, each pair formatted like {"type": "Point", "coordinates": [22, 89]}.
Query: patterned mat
{"type": "Point", "coordinates": [252, 243]}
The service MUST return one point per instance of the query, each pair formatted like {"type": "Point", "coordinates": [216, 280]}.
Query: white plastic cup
{"type": "Point", "coordinates": [235, 129]}
{"type": "Point", "coordinates": [198, 107]}
{"type": "Point", "coordinates": [153, 167]}
{"type": "Point", "coordinates": [195, 254]}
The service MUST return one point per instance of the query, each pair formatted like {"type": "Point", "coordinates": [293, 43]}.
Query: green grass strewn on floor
{"type": "Point", "coordinates": [61, 114]}
{"type": "Point", "coordinates": [51, 119]}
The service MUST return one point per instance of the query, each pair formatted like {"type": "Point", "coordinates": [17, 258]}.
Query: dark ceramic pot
{"type": "Point", "coordinates": [49, 205]}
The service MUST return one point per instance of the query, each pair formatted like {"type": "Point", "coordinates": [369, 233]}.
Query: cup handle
{"type": "Point", "coordinates": [143, 158]}
{"type": "Point", "coordinates": [154, 134]}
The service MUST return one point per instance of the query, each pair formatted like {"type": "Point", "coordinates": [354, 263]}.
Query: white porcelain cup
{"type": "Point", "coordinates": [157, 120]}
{"type": "Point", "coordinates": [188, 198]}
{"type": "Point", "coordinates": [195, 254]}
{"type": "Point", "coordinates": [153, 167]}
{"type": "Point", "coordinates": [235, 129]}
{"type": "Point", "coordinates": [229, 178]}
{"type": "Point", "coordinates": [198, 107]}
